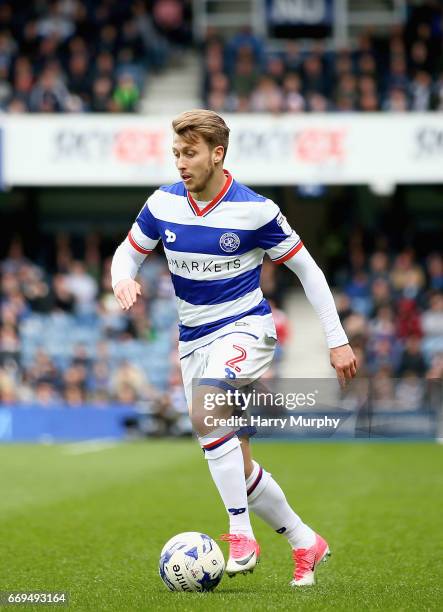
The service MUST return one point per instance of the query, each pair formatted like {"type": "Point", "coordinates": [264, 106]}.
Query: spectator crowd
{"type": "Point", "coordinates": [85, 55]}
{"type": "Point", "coordinates": [65, 341]}
{"type": "Point", "coordinates": [391, 307]}
{"type": "Point", "coordinates": [396, 73]}
{"type": "Point", "coordinates": [97, 56]}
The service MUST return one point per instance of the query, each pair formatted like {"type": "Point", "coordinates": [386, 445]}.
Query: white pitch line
{"type": "Point", "coordinates": [89, 446]}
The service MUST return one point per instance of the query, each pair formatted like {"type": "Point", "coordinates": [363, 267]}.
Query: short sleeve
{"type": "Point", "coordinates": [144, 234]}
{"type": "Point", "coordinates": [276, 236]}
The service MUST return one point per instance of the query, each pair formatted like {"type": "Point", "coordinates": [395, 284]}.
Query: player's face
{"type": "Point", "coordinates": [195, 161]}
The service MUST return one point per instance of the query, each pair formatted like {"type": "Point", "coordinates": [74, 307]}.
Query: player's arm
{"type": "Point", "coordinates": [283, 245]}
{"type": "Point", "coordinates": [130, 255]}
{"type": "Point", "coordinates": [318, 293]}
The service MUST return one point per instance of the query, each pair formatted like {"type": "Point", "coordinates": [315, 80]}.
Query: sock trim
{"type": "Point", "coordinates": [253, 475]}
{"type": "Point", "coordinates": [256, 481]}
{"type": "Point", "coordinates": [216, 443]}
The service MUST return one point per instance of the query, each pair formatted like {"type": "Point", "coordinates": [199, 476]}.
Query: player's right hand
{"type": "Point", "coordinates": [126, 291]}
{"type": "Point", "coordinates": [344, 362]}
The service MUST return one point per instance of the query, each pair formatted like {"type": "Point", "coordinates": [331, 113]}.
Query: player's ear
{"type": "Point", "coordinates": [217, 154]}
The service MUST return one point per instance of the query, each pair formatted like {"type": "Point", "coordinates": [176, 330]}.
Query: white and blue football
{"type": "Point", "coordinates": [191, 561]}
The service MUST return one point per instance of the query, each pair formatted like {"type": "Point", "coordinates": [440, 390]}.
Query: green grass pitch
{"type": "Point", "coordinates": [94, 523]}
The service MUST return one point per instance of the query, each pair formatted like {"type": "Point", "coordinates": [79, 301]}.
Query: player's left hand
{"type": "Point", "coordinates": [344, 362]}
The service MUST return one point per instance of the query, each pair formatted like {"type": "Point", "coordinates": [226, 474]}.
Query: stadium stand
{"type": "Point", "coordinates": [391, 306]}
{"type": "Point", "coordinates": [64, 339]}
{"type": "Point", "coordinates": [399, 72]}
{"type": "Point", "coordinates": [84, 56]}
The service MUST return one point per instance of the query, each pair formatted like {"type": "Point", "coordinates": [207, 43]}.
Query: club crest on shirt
{"type": "Point", "coordinates": [229, 242]}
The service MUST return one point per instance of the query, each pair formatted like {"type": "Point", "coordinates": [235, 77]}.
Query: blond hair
{"type": "Point", "coordinates": [205, 123]}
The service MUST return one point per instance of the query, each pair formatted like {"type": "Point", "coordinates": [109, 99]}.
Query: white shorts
{"type": "Point", "coordinates": [236, 355]}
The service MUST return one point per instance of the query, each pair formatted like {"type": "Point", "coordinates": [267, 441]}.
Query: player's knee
{"type": "Point", "coordinates": [207, 410]}
{"type": "Point", "coordinates": [198, 419]}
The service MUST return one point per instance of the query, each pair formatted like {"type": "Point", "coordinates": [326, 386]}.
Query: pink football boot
{"type": "Point", "coordinates": [307, 559]}
{"type": "Point", "coordinates": [244, 553]}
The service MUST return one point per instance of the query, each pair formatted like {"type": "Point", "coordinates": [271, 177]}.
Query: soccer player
{"type": "Point", "coordinates": [215, 233]}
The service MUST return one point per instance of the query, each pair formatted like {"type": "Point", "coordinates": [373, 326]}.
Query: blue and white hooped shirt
{"type": "Point", "coordinates": [214, 254]}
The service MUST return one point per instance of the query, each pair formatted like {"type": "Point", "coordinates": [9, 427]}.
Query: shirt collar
{"type": "Point", "coordinates": [213, 203]}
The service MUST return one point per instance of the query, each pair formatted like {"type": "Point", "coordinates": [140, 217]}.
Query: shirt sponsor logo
{"type": "Point", "coordinates": [203, 266]}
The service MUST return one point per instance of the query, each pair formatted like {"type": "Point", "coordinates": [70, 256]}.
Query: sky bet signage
{"type": "Point", "coordinates": [299, 18]}
{"type": "Point", "coordinates": [286, 149]}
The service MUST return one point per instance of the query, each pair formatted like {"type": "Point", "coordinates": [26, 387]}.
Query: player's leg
{"type": "Point", "coordinates": [247, 455]}
{"type": "Point", "coordinates": [225, 461]}
{"type": "Point", "coordinates": [222, 451]}
{"type": "Point", "coordinates": [267, 500]}
{"type": "Point", "coordinates": [233, 361]}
